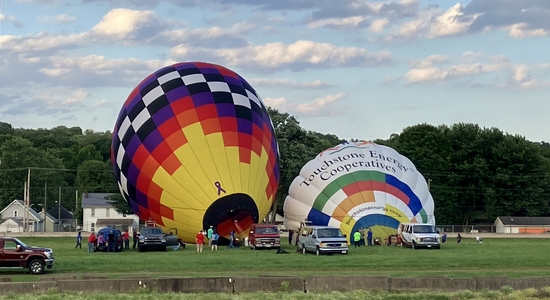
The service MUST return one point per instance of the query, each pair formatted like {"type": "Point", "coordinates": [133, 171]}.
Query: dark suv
{"type": "Point", "coordinates": [151, 238]}
{"type": "Point", "coordinates": [105, 233]}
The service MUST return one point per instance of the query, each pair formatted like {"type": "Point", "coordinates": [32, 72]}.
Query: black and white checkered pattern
{"type": "Point", "coordinates": [138, 120]}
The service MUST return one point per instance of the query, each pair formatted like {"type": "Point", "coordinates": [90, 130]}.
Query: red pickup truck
{"type": "Point", "coordinates": [16, 254]}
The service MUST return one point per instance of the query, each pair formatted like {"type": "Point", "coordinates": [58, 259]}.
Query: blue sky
{"type": "Point", "coordinates": [354, 68]}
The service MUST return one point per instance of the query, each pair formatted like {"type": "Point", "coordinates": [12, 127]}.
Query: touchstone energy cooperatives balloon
{"type": "Point", "coordinates": [194, 147]}
{"type": "Point", "coordinates": [359, 185]}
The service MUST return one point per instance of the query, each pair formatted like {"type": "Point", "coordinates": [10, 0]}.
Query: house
{"type": "Point", "coordinates": [16, 210]}
{"type": "Point", "coordinates": [522, 225]}
{"type": "Point", "coordinates": [97, 212]}
{"type": "Point", "coordinates": [11, 224]}
{"type": "Point", "coordinates": [66, 218]}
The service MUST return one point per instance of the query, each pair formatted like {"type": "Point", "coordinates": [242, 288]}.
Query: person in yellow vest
{"type": "Point", "coordinates": [357, 239]}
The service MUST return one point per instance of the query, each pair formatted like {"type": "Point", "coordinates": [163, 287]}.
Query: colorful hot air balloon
{"type": "Point", "coordinates": [359, 185]}
{"type": "Point", "coordinates": [194, 147]}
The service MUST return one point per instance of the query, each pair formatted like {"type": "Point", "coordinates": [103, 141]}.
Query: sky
{"type": "Point", "coordinates": [354, 68]}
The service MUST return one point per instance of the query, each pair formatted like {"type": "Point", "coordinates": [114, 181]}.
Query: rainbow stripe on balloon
{"type": "Point", "coordinates": [360, 208]}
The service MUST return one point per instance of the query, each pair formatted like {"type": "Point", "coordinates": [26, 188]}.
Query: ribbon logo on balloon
{"type": "Point", "coordinates": [219, 186]}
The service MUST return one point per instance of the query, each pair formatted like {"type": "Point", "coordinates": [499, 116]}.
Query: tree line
{"type": "Point", "coordinates": [475, 174]}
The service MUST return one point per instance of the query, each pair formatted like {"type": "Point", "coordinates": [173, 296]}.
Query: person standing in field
{"type": "Point", "coordinates": [231, 239]}
{"type": "Point", "coordinates": [399, 231]}
{"type": "Point", "coordinates": [458, 238]}
{"type": "Point", "coordinates": [290, 234]}
{"type": "Point", "coordinates": [126, 240]}
{"type": "Point", "coordinates": [135, 237]}
{"type": "Point", "coordinates": [214, 242]}
{"type": "Point", "coordinates": [357, 239]}
{"type": "Point", "coordinates": [362, 232]}
{"type": "Point", "coordinates": [369, 237]}
{"type": "Point", "coordinates": [209, 235]}
{"type": "Point", "coordinates": [199, 240]}
{"type": "Point", "coordinates": [91, 241]}
{"type": "Point", "coordinates": [78, 240]}
{"type": "Point", "coordinates": [111, 243]}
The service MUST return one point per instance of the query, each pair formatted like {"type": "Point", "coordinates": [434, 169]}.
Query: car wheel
{"type": "Point", "coordinates": [413, 245]}
{"type": "Point", "coordinates": [163, 248]}
{"type": "Point", "coordinates": [140, 249]}
{"type": "Point", "coordinates": [36, 267]}
{"type": "Point", "coordinates": [304, 249]}
{"type": "Point", "coordinates": [317, 252]}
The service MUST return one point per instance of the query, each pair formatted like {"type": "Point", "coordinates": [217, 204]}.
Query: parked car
{"type": "Point", "coordinates": [264, 236]}
{"type": "Point", "coordinates": [322, 240]}
{"type": "Point", "coordinates": [16, 254]}
{"type": "Point", "coordinates": [420, 235]}
{"type": "Point", "coordinates": [105, 233]}
{"type": "Point", "coordinates": [152, 238]}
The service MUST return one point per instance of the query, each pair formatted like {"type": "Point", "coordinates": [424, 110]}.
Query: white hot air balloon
{"type": "Point", "coordinates": [359, 185]}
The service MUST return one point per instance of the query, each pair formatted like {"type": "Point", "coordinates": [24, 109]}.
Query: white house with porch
{"type": "Point", "coordinates": [98, 212]}
{"type": "Point", "coordinates": [15, 211]}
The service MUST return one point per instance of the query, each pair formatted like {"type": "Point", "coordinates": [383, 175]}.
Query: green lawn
{"type": "Point", "coordinates": [494, 257]}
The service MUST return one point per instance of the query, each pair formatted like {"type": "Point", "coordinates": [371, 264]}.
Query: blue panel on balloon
{"type": "Point", "coordinates": [414, 202]}
{"type": "Point", "coordinates": [318, 218]}
{"type": "Point", "coordinates": [375, 220]}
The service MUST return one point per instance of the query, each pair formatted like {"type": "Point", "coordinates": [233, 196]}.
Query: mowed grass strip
{"type": "Point", "coordinates": [494, 257]}
{"type": "Point", "coordinates": [505, 293]}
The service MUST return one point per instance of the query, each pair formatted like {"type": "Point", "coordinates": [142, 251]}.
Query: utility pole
{"type": "Point", "coordinates": [429, 184]}
{"type": "Point", "coordinates": [59, 211]}
{"type": "Point", "coordinates": [45, 208]}
{"type": "Point", "coordinates": [28, 204]}
{"type": "Point", "coordinates": [25, 207]}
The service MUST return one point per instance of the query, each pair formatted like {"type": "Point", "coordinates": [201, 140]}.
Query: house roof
{"type": "Point", "coordinates": [14, 220]}
{"type": "Point", "coordinates": [65, 214]}
{"type": "Point", "coordinates": [52, 218]}
{"type": "Point", "coordinates": [113, 221]}
{"type": "Point", "coordinates": [32, 212]}
{"type": "Point", "coordinates": [96, 200]}
{"type": "Point", "coordinates": [525, 221]}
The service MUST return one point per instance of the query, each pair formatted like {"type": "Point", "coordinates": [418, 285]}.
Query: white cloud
{"type": "Point", "coordinates": [520, 30]}
{"type": "Point", "coordinates": [318, 104]}
{"type": "Point", "coordinates": [122, 23]}
{"type": "Point", "coordinates": [10, 19]}
{"type": "Point", "coordinates": [378, 25]}
{"type": "Point", "coordinates": [59, 19]}
{"type": "Point", "coordinates": [453, 21]}
{"type": "Point", "coordinates": [99, 103]}
{"type": "Point", "coordinates": [77, 96]}
{"type": "Point", "coordinates": [470, 55]}
{"type": "Point", "coordinates": [427, 71]}
{"type": "Point", "coordinates": [521, 77]}
{"type": "Point", "coordinates": [300, 54]}
{"type": "Point", "coordinates": [318, 107]}
{"type": "Point", "coordinates": [348, 22]}
{"type": "Point", "coordinates": [280, 82]}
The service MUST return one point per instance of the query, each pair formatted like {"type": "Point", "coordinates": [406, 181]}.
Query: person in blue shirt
{"type": "Point", "coordinates": [214, 239]}
{"type": "Point", "coordinates": [231, 239]}
{"type": "Point", "coordinates": [78, 240]}
{"type": "Point", "coordinates": [369, 237]}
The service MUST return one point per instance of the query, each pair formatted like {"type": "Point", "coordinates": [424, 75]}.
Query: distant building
{"type": "Point", "coordinates": [67, 221]}
{"type": "Point", "coordinates": [98, 212]}
{"type": "Point", "coordinates": [535, 225]}
{"type": "Point", "coordinates": [15, 211]}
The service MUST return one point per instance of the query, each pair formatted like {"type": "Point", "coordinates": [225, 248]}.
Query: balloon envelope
{"type": "Point", "coordinates": [194, 147]}
{"type": "Point", "coordinates": [359, 185]}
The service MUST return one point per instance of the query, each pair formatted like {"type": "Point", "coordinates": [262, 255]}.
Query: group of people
{"type": "Point", "coordinates": [211, 235]}
{"type": "Point", "coordinates": [109, 240]}
{"type": "Point", "coordinates": [359, 238]}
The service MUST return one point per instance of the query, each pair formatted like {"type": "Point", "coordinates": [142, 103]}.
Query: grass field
{"type": "Point", "coordinates": [494, 257]}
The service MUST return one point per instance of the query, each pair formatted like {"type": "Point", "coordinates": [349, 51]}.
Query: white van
{"type": "Point", "coordinates": [321, 240]}
{"type": "Point", "coordinates": [419, 235]}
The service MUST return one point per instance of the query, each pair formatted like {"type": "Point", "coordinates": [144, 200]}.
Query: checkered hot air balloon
{"type": "Point", "coordinates": [359, 185]}
{"type": "Point", "coordinates": [194, 147]}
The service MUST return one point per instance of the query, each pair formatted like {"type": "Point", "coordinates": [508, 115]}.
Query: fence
{"type": "Point", "coordinates": [494, 229]}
